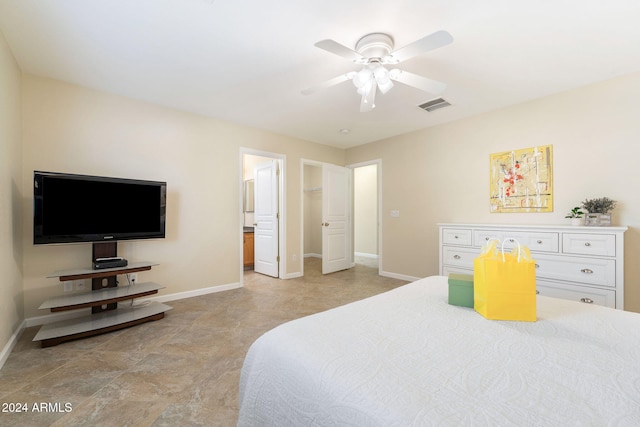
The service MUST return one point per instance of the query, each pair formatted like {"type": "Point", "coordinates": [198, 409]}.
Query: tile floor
{"type": "Point", "coordinates": [180, 371]}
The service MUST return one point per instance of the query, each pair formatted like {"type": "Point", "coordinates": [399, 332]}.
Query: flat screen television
{"type": "Point", "coordinates": [72, 208]}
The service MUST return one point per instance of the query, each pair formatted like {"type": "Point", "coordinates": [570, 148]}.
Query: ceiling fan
{"type": "Point", "coordinates": [373, 52]}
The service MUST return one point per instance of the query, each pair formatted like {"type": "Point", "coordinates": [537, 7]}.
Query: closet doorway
{"type": "Point", "coordinates": [327, 215]}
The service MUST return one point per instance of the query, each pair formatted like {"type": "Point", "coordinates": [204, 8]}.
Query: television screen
{"type": "Point", "coordinates": [80, 208]}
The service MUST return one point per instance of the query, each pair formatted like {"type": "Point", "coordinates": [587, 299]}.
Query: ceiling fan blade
{"type": "Point", "coordinates": [432, 86]}
{"type": "Point", "coordinates": [331, 82]}
{"type": "Point", "coordinates": [425, 44]}
{"type": "Point", "coordinates": [341, 50]}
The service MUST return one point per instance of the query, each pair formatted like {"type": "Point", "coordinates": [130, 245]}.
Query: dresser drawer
{"type": "Point", "coordinates": [541, 242]}
{"type": "Point", "coordinates": [582, 294]}
{"type": "Point", "coordinates": [460, 257]}
{"type": "Point", "coordinates": [456, 236]}
{"type": "Point", "coordinates": [589, 244]}
{"type": "Point", "coordinates": [481, 237]}
{"type": "Point", "coordinates": [601, 272]}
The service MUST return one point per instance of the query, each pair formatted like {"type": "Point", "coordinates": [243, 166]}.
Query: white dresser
{"type": "Point", "coordinates": [579, 263]}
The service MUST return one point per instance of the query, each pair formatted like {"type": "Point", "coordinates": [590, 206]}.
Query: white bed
{"type": "Point", "coordinates": [407, 358]}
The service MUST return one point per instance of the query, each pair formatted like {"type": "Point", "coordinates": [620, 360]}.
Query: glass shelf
{"type": "Point", "coordinates": [100, 297]}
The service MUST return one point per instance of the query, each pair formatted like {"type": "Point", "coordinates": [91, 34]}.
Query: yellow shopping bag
{"type": "Point", "coordinates": [505, 283]}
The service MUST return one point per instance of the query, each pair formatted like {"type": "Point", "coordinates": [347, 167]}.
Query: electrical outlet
{"type": "Point", "coordinates": [68, 286]}
{"type": "Point", "coordinates": [79, 285]}
{"type": "Point", "coordinates": [133, 278]}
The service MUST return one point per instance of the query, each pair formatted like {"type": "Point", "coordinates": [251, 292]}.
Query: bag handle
{"type": "Point", "coordinates": [510, 239]}
{"type": "Point", "coordinates": [489, 246]}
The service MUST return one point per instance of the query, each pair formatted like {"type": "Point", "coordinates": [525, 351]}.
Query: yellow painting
{"type": "Point", "coordinates": [521, 180]}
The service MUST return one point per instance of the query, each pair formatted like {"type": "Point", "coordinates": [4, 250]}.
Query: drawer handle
{"type": "Point", "coordinates": [587, 244]}
{"type": "Point", "coordinates": [487, 238]}
{"type": "Point", "coordinates": [586, 300]}
{"type": "Point", "coordinates": [537, 292]}
{"type": "Point", "coordinates": [537, 265]}
{"type": "Point", "coordinates": [457, 257]}
{"type": "Point", "coordinates": [587, 271]}
{"type": "Point", "coordinates": [455, 237]}
{"type": "Point", "coordinates": [511, 240]}
{"type": "Point", "coordinates": [539, 242]}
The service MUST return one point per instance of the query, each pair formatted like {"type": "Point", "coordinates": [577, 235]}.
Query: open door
{"type": "Point", "coordinates": [336, 215]}
{"type": "Point", "coordinates": [266, 218]}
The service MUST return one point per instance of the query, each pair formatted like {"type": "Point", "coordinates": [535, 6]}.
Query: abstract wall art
{"type": "Point", "coordinates": [522, 180]}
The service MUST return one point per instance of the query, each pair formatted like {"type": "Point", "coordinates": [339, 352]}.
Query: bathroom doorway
{"type": "Point", "coordinates": [262, 212]}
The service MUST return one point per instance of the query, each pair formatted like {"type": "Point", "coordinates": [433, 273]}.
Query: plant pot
{"type": "Point", "coordinates": [577, 221]}
{"type": "Point", "coordinates": [598, 219]}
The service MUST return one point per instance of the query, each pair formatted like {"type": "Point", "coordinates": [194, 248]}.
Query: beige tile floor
{"type": "Point", "coordinates": [182, 370]}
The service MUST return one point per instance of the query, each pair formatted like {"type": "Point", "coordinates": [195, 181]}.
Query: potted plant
{"type": "Point", "coordinates": [598, 210]}
{"type": "Point", "coordinates": [575, 215]}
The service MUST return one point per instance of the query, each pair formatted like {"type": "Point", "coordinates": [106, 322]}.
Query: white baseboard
{"type": "Point", "coordinates": [366, 255]}
{"type": "Point", "coordinates": [399, 276]}
{"type": "Point", "coordinates": [293, 275]}
{"type": "Point", "coordinates": [195, 293]}
{"type": "Point", "coordinates": [13, 340]}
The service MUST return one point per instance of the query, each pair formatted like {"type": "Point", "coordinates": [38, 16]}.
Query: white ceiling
{"type": "Point", "coordinates": [246, 61]}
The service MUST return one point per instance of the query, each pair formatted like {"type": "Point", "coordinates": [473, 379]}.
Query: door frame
{"type": "Point", "coordinates": [282, 241]}
{"type": "Point", "coordinates": [378, 163]}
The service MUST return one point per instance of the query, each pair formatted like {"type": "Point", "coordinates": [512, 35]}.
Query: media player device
{"type": "Point", "coordinates": [109, 262]}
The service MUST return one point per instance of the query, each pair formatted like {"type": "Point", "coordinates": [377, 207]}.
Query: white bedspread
{"type": "Point", "coordinates": [407, 358]}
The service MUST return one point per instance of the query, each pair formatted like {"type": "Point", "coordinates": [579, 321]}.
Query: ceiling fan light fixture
{"type": "Point", "coordinates": [384, 88]}
{"type": "Point", "coordinates": [362, 77]}
{"type": "Point", "coordinates": [381, 75]}
{"type": "Point", "coordinates": [367, 87]}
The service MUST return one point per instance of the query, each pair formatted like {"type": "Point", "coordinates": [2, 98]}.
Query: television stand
{"type": "Point", "coordinates": [106, 314]}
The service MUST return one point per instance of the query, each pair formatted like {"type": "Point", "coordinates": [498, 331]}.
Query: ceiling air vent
{"type": "Point", "coordinates": [434, 104]}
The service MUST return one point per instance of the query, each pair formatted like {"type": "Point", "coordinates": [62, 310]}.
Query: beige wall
{"type": "Point", "coordinates": [365, 209]}
{"type": "Point", "coordinates": [441, 174]}
{"type": "Point", "coordinates": [11, 297]}
{"type": "Point", "coordinates": [67, 128]}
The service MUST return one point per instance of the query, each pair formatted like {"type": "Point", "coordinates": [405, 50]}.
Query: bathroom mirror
{"type": "Point", "coordinates": [248, 195]}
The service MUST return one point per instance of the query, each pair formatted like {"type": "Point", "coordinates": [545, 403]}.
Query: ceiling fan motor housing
{"type": "Point", "coordinates": [375, 45]}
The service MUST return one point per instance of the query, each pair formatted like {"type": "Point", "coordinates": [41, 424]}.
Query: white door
{"type": "Point", "coordinates": [336, 218]}
{"type": "Point", "coordinates": [266, 218]}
